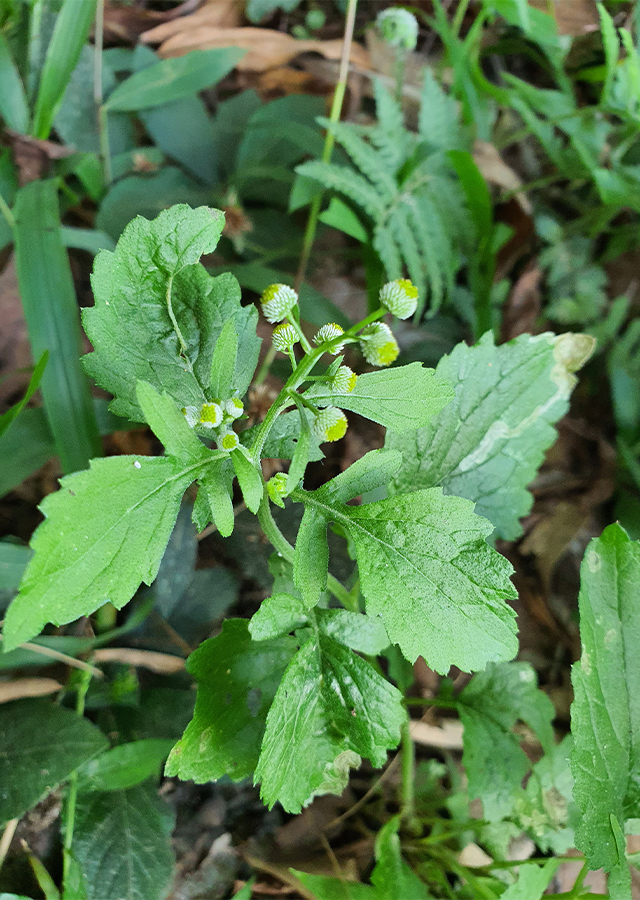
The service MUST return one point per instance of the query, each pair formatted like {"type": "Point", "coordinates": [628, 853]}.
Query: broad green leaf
{"type": "Point", "coordinates": [532, 881]}
{"type": "Point", "coordinates": [278, 614]}
{"type": "Point", "coordinates": [489, 707]}
{"type": "Point", "coordinates": [331, 709]}
{"type": "Point", "coordinates": [391, 876]}
{"type": "Point", "coordinates": [322, 887]}
{"type": "Point", "coordinates": [51, 310]}
{"type": "Point", "coordinates": [7, 418]}
{"type": "Point", "coordinates": [215, 495]}
{"type": "Point", "coordinates": [249, 479]}
{"type": "Point", "coordinates": [302, 452]}
{"type": "Point", "coordinates": [122, 841]}
{"type": "Point", "coordinates": [170, 426]}
{"type": "Point", "coordinates": [124, 766]}
{"type": "Point", "coordinates": [605, 714]}
{"type": "Point", "coordinates": [425, 568]}
{"type": "Point", "coordinates": [283, 438]}
{"type": "Point", "coordinates": [13, 562]}
{"type": "Point", "coordinates": [487, 444]}
{"type": "Point", "coordinates": [104, 532]}
{"type": "Point", "coordinates": [223, 362]}
{"type": "Point", "coordinates": [41, 744]}
{"type": "Point", "coordinates": [359, 632]}
{"type": "Point", "coordinates": [237, 681]}
{"type": "Point", "coordinates": [173, 79]}
{"type": "Point", "coordinates": [546, 808]}
{"type": "Point", "coordinates": [152, 276]}
{"type": "Point", "coordinates": [403, 398]}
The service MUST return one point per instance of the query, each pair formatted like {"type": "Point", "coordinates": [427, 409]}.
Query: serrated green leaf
{"type": "Point", "coordinates": [131, 324]}
{"type": "Point", "coordinates": [546, 808]}
{"type": "Point", "coordinates": [104, 532]}
{"type": "Point", "coordinates": [532, 881]}
{"type": "Point", "coordinates": [301, 454]}
{"type": "Point", "coordinates": [41, 744]}
{"type": "Point", "coordinates": [283, 438]}
{"type": "Point", "coordinates": [249, 479]}
{"type": "Point", "coordinates": [391, 876]}
{"type": "Point", "coordinates": [122, 841]}
{"type": "Point", "coordinates": [331, 709]}
{"type": "Point", "coordinates": [237, 681]}
{"type": "Point", "coordinates": [489, 707]}
{"type": "Point", "coordinates": [488, 443]}
{"type": "Point", "coordinates": [173, 79]}
{"type": "Point", "coordinates": [124, 766]}
{"type": "Point", "coordinates": [170, 426]}
{"type": "Point", "coordinates": [216, 491]}
{"type": "Point", "coordinates": [403, 398]}
{"type": "Point", "coordinates": [605, 714]}
{"type": "Point", "coordinates": [425, 568]}
{"type": "Point", "coordinates": [223, 362]}
{"type": "Point", "coordinates": [324, 888]}
{"type": "Point", "coordinates": [278, 614]}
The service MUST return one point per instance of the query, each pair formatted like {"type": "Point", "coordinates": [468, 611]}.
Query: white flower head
{"type": "Point", "coordinates": [233, 408]}
{"type": "Point", "coordinates": [277, 302]}
{"type": "Point", "coordinates": [398, 27]}
{"type": "Point", "coordinates": [400, 297]}
{"type": "Point", "coordinates": [284, 337]}
{"type": "Point", "coordinates": [210, 415]}
{"type": "Point", "coordinates": [192, 415]}
{"type": "Point", "coordinates": [378, 345]}
{"type": "Point", "coordinates": [228, 441]}
{"type": "Point", "coordinates": [329, 424]}
{"type": "Point", "coordinates": [329, 333]}
{"type": "Point", "coordinates": [344, 380]}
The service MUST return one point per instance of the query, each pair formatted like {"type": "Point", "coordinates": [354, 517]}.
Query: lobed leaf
{"type": "Point", "coordinates": [605, 714]}
{"type": "Point", "coordinates": [104, 532]}
{"type": "Point", "coordinates": [488, 443]}
{"type": "Point", "coordinates": [331, 709]}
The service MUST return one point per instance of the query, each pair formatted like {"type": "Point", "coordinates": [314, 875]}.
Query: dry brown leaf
{"type": "Point", "coordinates": [447, 737]}
{"type": "Point", "coordinates": [522, 307]}
{"type": "Point", "coordinates": [265, 48]}
{"type": "Point", "coordinates": [573, 16]}
{"type": "Point", "coordinates": [551, 536]}
{"type": "Point", "coordinates": [496, 171]}
{"type": "Point", "coordinates": [27, 687]}
{"type": "Point", "coordinates": [285, 80]}
{"type": "Point", "coordinates": [162, 663]}
{"type": "Point", "coordinates": [15, 351]}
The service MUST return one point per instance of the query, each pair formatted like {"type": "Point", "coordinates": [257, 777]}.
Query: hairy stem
{"type": "Point", "coordinates": [69, 815]}
{"type": "Point", "coordinates": [408, 760]}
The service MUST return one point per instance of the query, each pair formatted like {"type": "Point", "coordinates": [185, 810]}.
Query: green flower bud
{"type": "Point", "coordinates": [398, 27]}
{"type": "Point", "coordinates": [329, 333]}
{"type": "Point", "coordinates": [378, 345]}
{"type": "Point", "coordinates": [211, 415]}
{"type": "Point", "coordinates": [400, 297]}
{"type": "Point", "coordinates": [330, 424]}
{"type": "Point", "coordinates": [277, 302]}
{"type": "Point", "coordinates": [284, 337]}
{"type": "Point", "coordinates": [344, 380]}
{"type": "Point", "coordinates": [276, 488]}
{"type": "Point", "coordinates": [233, 408]}
{"type": "Point", "coordinates": [228, 441]}
{"type": "Point", "coordinates": [192, 415]}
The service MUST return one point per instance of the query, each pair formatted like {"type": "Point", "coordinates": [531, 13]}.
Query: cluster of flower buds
{"type": "Point", "coordinates": [329, 333]}
{"type": "Point", "coordinates": [217, 416]}
{"type": "Point", "coordinates": [329, 424]}
{"type": "Point", "coordinates": [284, 337]}
{"type": "Point", "coordinates": [378, 345]}
{"type": "Point", "coordinates": [400, 297]}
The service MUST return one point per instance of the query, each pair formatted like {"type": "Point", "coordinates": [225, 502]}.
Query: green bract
{"type": "Point", "coordinates": [290, 698]}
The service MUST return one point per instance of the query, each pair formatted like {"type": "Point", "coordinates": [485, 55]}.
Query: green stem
{"type": "Point", "coordinates": [72, 791]}
{"type": "Point", "coordinates": [176, 327]}
{"type": "Point", "coordinates": [408, 761]}
{"type": "Point", "coordinates": [6, 211]}
{"type": "Point", "coordinates": [334, 116]}
{"type": "Point", "coordinates": [459, 17]}
{"type": "Point", "coordinates": [101, 112]}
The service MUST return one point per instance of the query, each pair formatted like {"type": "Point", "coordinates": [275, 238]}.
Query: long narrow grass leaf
{"type": "Point", "coordinates": [7, 418]}
{"type": "Point", "coordinates": [13, 102]}
{"type": "Point", "coordinates": [49, 301]}
{"type": "Point", "coordinates": [69, 35]}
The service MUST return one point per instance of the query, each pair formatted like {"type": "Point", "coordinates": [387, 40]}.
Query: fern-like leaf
{"type": "Point", "coordinates": [366, 158]}
{"type": "Point", "coordinates": [347, 182]}
{"type": "Point", "coordinates": [438, 121]}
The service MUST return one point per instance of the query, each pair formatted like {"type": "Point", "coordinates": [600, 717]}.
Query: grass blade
{"type": "Point", "coordinates": [69, 35]}
{"type": "Point", "coordinates": [13, 103]}
{"type": "Point", "coordinates": [50, 308]}
{"type": "Point", "coordinates": [7, 418]}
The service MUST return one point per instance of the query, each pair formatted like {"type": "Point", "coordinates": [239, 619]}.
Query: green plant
{"type": "Point", "coordinates": [297, 696]}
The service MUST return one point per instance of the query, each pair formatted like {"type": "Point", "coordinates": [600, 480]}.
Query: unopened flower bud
{"type": "Point", "coordinates": [211, 415]}
{"type": "Point", "coordinates": [277, 302]}
{"type": "Point", "coordinates": [378, 345]}
{"type": "Point", "coordinates": [329, 333]}
{"type": "Point", "coordinates": [398, 27]}
{"type": "Point", "coordinates": [284, 337]}
{"type": "Point", "coordinates": [228, 441]}
{"type": "Point", "coordinates": [400, 297]}
{"type": "Point", "coordinates": [344, 380]}
{"type": "Point", "coordinates": [276, 488]}
{"type": "Point", "coordinates": [233, 408]}
{"type": "Point", "coordinates": [192, 415]}
{"type": "Point", "coordinates": [329, 424]}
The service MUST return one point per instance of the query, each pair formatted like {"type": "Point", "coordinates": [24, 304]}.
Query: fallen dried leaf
{"type": "Point", "coordinates": [265, 48]}
{"type": "Point", "coordinates": [522, 307]}
{"type": "Point", "coordinates": [573, 16]}
{"type": "Point", "coordinates": [162, 663]}
{"type": "Point", "coordinates": [496, 171]}
{"type": "Point", "coordinates": [447, 737]}
{"type": "Point", "coordinates": [27, 687]}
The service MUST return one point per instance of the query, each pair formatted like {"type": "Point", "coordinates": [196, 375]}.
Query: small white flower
{"type": "Point", "coordinates": [233, 408]}
{"type": "Point", "coordinates": [378, 345]}
{"type": "Point", "coordinates": [400, 297]}
{"type": "Point", "coordinates": [329, 333]}
{"type": "Point", "coordinates": [277, 302]}
{"type": "Point", "coordinates": [398, 27]}
{"type": "Point", "coordinates": [344, 380]}
{"type": "Point", "coordinates": [228, 441]}
{"type": "Point", "coordinates": [192, 415]}
{"type": "Point", "coordinates": [329, 424]}
{"type": "Point", "coordinates": [284, 337]}
{"type": "Point", "coordinates": [210, 415]}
